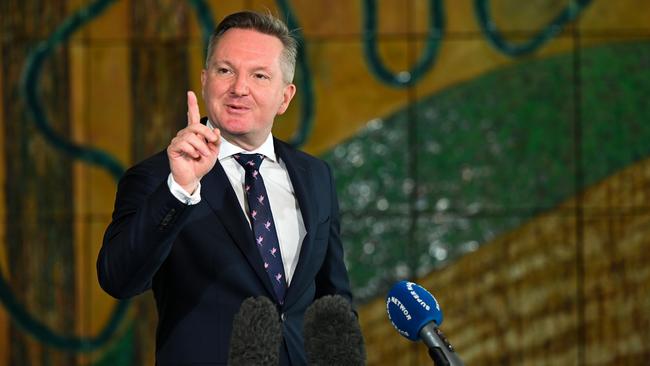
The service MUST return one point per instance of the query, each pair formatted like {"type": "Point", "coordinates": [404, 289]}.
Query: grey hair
{"type": "Point", "coordinates": [263, 23]}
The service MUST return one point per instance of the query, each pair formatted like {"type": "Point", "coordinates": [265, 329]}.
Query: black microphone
{"type": "Point", "coordinates": [416, 315]}
{"type": "Point", "coordinates": [332, 333]}
{"type": "Point", "coordinates": [256, 334]}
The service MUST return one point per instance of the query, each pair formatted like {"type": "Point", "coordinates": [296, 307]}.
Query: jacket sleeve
{"type": "Point", "coordinates": [146, 220]}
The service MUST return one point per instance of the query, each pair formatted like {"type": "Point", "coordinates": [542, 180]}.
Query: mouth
{"type": "Point", "coordinates": [237, 108]}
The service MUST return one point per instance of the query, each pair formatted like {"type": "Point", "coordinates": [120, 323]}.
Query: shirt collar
{"type": "Point", "coordinates": [228, 149]}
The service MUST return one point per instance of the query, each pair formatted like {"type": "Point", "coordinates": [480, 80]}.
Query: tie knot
{"type": "Point", "coordinates": [249, 161]}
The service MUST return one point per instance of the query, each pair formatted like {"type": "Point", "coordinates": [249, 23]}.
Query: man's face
{"type": "Point", "coordinates": [243, 86]}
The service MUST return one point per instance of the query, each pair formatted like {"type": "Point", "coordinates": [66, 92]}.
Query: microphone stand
{"type": "Point", "coordinates": [440, 351]}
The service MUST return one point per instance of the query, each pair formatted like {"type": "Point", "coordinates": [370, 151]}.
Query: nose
{"type": "Point", "coordinates": [239, 85]}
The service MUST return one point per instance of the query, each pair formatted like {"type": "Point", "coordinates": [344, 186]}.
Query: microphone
{"type": "Point", "coordinates": [332, 333]}
{"type": "Point", "coordinates": [416, 315]}
{"type": "Point", "coordinates": [256, 334]}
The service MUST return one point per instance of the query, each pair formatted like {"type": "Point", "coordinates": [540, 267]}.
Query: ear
{"type": "Point", "coordinates": [204, 77]}
{"type": "Point", "coordinates": [287, 95]}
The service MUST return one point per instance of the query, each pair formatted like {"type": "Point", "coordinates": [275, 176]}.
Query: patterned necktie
{"type": "Point", "coordinates": [259, 212]}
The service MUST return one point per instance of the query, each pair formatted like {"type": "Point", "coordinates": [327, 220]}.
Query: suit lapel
{"type": "Point", "coordinates": [221, 197]}
{"type": "Point", "coordinates": [302, 182]}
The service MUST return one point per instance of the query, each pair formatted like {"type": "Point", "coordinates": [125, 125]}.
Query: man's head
{"type": "Point", "coordinates": [263, 23]}
{"type": "Point", "coordinates": [245, 80]}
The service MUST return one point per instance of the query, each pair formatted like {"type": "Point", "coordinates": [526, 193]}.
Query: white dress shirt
{"type": "Point", "coordinates": [284, 205]}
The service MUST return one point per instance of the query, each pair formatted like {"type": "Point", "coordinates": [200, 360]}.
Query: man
{"type": "Point", "coordinates": [188, 222]}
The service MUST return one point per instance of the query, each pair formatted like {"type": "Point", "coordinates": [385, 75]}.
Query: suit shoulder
{"type": "Point", "coordinates": [155, 165]}
{"type": "Point", "coordinates": [301, 155]}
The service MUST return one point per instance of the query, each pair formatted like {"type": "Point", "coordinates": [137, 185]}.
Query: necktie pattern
{"type": "Point", "coordinates": [259, 212]}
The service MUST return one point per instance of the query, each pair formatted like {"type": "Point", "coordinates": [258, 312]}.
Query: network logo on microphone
{"type": "Point", "coordinates": [410, 285]}
{"type": "Point", "coordinates": [409, 307]}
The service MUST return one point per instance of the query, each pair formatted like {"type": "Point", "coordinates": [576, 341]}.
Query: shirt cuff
{"type": "Point", "coordinates": [181, 194]}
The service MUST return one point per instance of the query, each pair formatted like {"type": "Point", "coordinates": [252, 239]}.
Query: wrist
{"type": "Point", "coordinates": [190, 188]}
{"type": "Point", "coordinates": [181, 193]}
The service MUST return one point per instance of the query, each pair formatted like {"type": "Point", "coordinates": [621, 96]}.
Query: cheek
{"type": "Point", "coordinates": [213, 88]}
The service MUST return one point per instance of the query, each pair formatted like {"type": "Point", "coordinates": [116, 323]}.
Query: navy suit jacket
{"type": "Point", "coordinates": [201, 260]}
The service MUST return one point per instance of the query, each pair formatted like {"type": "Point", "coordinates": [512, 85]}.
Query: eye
{"type": "Point", "coordinates": [261, 76]}
{"type": "Point", "coordinates": [223, 70]}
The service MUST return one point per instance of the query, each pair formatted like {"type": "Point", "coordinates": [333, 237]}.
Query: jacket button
{"type": "Point", "coordinates": [282, 317]}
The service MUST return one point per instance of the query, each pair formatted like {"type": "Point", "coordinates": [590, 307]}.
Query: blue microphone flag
{"type": "Point", "coordinates": [410, 307]}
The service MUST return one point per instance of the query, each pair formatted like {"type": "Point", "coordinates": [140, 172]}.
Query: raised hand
{"type": "Point", "coordinates": [194, 150]}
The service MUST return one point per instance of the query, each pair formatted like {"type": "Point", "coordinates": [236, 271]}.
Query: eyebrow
{"type": "Point", "coordinates": [227, 63]}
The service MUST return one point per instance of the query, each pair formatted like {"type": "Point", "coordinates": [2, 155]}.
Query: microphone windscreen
{"type": "Point", "coordinates": [256, 334]}
{"type": "Point", "coordinates": [410, 307]}
{"type": "Point", "coordinates": [332, 333]}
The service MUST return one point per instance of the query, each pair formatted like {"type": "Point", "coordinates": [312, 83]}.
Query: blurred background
{"type": "Point", "coordinates": [495, 152]}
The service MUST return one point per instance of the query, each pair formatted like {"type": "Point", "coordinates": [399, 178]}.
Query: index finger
{"type": "Point", "coordinates": [193, 115]}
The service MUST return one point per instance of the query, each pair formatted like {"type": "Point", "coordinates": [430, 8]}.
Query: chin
{"type": "Point", "coordinates": [234, 124]}
{"type": "Point", "coordinates": [236, 130]}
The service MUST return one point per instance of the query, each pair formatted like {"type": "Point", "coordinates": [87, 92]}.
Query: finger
{"type": "Point", "coordinates": [193, 115]}
{"type": "Point", "coordinates": [183, 150]}
{"type": "Point", "coordinates": [215, 145]}
{"type": "Point", "coordinates": [217, 142]}
{"type": "Point", "coordinates": [198, 143]}
{"type": "Point", "coordinates": [204, 131]}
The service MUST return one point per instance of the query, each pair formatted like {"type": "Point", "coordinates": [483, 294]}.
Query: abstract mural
{"type": "Point", "coordinates": [461, 135]}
